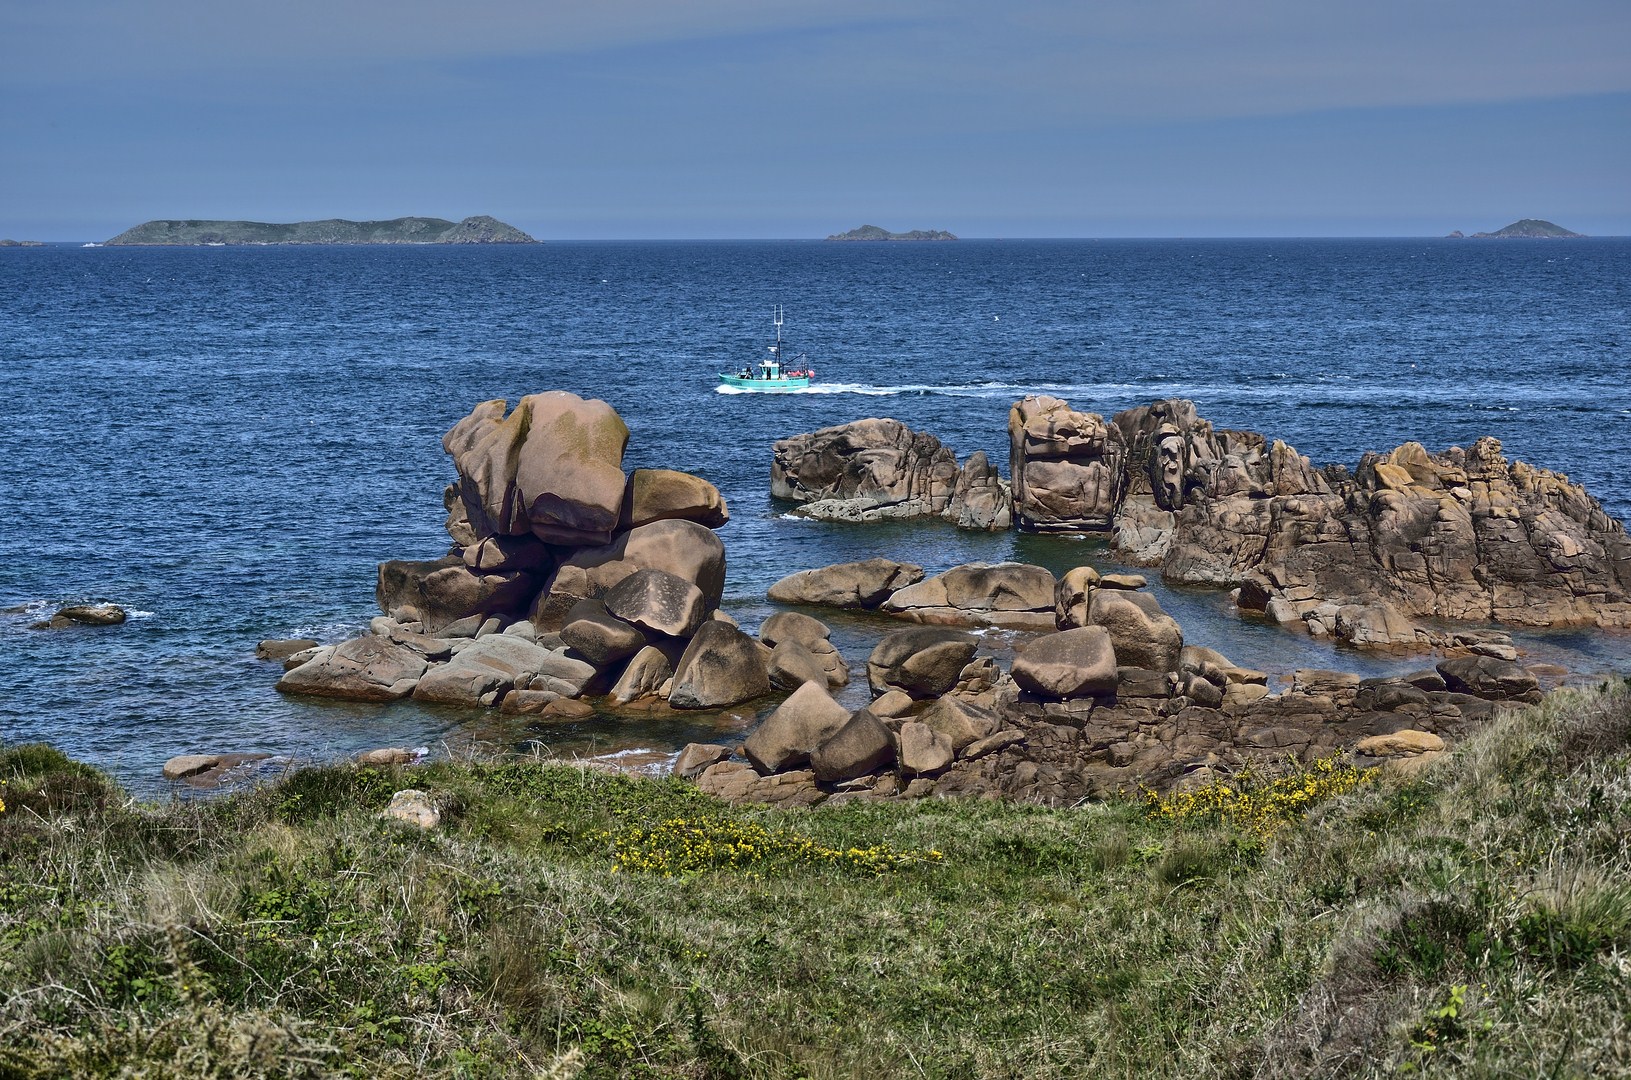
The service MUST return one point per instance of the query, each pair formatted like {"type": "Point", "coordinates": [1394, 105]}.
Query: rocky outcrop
{"type": "Point", "coordinates": [83, 615]}
{"type": "Point", "coordinates": [1463, 535]}
{"type": "Point", "coordinates": [685, 549]}
{"type": "Point", "coordinates": [1136, 727]}
{"type": "Point", "coordinates": [1067, 466]}
{"type": "Point", "coordinates": [566, 579]}
{"type": "Point", "coordinates": [877, 470]}
{"type": "Point", "coordinates": [444, 596]}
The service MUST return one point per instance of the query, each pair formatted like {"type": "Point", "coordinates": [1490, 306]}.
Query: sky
{"type": "Point", "coordinates": [658, 119]}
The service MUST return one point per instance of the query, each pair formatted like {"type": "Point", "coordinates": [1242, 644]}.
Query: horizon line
{"type": "Point", "coordinates": [826, 240]}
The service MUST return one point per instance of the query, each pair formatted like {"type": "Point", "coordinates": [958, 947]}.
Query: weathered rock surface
{"type": "Point", "coordinates": [93, 614]}
{"type": "Point", "coordinates": [864, 584]}
{"type": "Point", "coordinates": [413, 807]}
{"type": "Point", "coordinates": [1143, 635]}
{"type": "Point", "coordinates": [645, 674]}
{"type": "Point", "coordinates": [689, 551]}
{"type": "Point", "coordinates": [878, 470]}
{"type": "Point", "coordinates": [552, 468]}
{"type": "Point", "coordinates": [599, 636]}
{"type": "Point", "coordinates": [659, 494]}
{"type": "Point", "coordinates": [883, 464]}
{"type": "Point", "coordinates": [1067, 664]}
{"type": "Point", "coordinates": [696, 757]}
{"type": "Point", "coordinates": [441, 593]}
{"type": "Point", "coordinates": [1487, 676]}
{"type": "Point", "coordinates": [1066, 466]}
{"type": "Point", "coordinates": [737, 782]}
{"type": "Point", "coordinates": [861, 747]}
{"type": "Point", "coordinates": [792, 665]}
{"type": "Point", "coordinates": [658, 601]}
{"type": "Point", "coordinates": [389, 755]}
{"type": "Point", "coordinates": [1011, 595]}
{"type": "Point", "coordinates": [483, 672]}
{"type": "Point", "coordinates": [808, 718]}
{"type": "Point", "coordinates": [923, 750]}
{"type": "Point", "coordinates": [981, 498]}
{"type": "Point", "coordinates": [282, 648]}
{"type": "Point", "coordinates": [924, 662]}
{"type": "Point", "coordinates": [369, 668]}
{"type": "Point", "coordinates": [960, 721]}
{"type": "Point", "coordinates": [722, 666]}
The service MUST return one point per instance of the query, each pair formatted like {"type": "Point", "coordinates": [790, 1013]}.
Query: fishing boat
{"type": "Point", "coordinates": [774, 374]}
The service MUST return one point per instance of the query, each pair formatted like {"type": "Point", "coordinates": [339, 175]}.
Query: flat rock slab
{"type": "Point", "coordinates": [1400, 744]}
{"type": "Point", "coordinates": [737, 782]}
{"type": "Point", "coordinates": [864, 584]}
{"type": "Point", "coordinates": [368, 668]}
{"type": "Point", "coordinates": [207, 770]}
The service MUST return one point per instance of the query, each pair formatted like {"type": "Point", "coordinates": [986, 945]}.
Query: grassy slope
{"type": "Point", "coordinates": [1475, 920]}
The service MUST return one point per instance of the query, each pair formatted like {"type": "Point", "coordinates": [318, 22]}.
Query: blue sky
{"type": "Point", "coordinates": [731, 118]}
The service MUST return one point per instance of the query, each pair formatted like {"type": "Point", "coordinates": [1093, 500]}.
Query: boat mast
{"type": "Point", "coordinates": [777, 350]}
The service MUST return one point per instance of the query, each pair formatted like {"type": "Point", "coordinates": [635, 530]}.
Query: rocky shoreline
{"type": "Point", "coordinates": [1361, 555]}
{"type": "Point", "coordinates": [574, 589]}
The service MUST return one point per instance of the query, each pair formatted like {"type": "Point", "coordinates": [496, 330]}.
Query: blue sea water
{"type": "Point", "coordinates": [226, 441]}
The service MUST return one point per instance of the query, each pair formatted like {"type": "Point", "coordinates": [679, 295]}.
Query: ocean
{"type": "Point", "coordinates": [226, 441]}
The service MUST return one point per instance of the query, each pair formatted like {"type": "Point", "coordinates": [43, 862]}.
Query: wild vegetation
{"type": "Point", "coordinates": [1473, 918]}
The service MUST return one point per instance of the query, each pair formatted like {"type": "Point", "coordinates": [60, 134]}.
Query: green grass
{"type": "Point", "coordinates": [1472, 920]}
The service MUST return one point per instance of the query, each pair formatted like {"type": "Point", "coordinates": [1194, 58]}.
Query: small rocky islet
{"type": "Point", "coordinates": [573, 588]}
{"type": "Point", "coordinates": [196, 232]}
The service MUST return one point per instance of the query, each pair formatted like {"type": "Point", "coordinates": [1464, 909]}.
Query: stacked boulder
{"type": "Point", "coordinates": [877, 470]}
{"type": "Point", "coordinates": [566, 578]}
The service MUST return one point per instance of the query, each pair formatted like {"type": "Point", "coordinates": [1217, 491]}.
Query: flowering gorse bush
{"type": "Point", "coordinates": [691, 845]}
{"type": "Point", "coordinates": [1259, 806]}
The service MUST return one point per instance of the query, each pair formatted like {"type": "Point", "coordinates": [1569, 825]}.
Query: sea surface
{"type": "Point", "coordinates": [226, 441]}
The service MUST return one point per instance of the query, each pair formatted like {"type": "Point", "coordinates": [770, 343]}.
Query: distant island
{"type": "Point", "coordinates": [403, 230]}
{"type": "Point", "coordinates": [22, 243]}
{"type": "Point", "coordinates": [872, 232]}
{"type": "Point", "coordinates": [1527, 229]}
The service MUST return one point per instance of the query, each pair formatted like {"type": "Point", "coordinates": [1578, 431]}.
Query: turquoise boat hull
{"type": "Point", "coordinates": [765, 386]}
